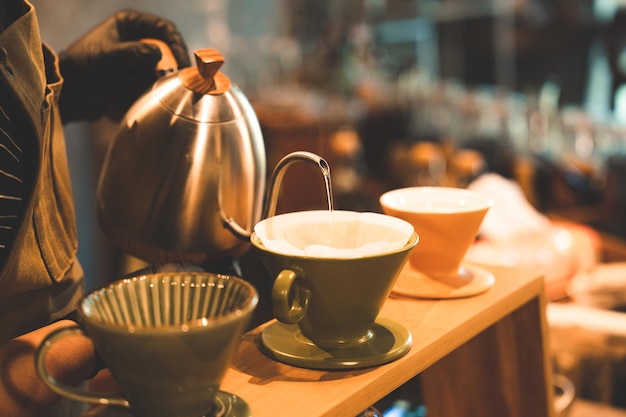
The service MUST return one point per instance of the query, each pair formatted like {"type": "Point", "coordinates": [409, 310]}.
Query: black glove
{"type": "Point", "coordinates": [107, 69]}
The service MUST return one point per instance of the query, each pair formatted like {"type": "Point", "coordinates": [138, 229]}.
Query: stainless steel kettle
{"type": "Point", "coordinates": [184, 177]}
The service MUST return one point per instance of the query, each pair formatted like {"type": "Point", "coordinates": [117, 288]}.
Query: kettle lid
{"type": "Point", "coordinates": [201, 93]}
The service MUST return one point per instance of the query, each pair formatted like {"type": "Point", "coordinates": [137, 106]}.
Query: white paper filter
{"type": "Point", "coordinates": [336, 234]}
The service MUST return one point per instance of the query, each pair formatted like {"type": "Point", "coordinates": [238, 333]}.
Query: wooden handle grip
{"type": "Point", "coordinates": [168, 62]}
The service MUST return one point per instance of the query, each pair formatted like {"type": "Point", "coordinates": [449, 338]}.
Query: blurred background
{"type": "Point", "coordinates": [403, 92]}
{"type": "Point", "coordinates": [408, 92]}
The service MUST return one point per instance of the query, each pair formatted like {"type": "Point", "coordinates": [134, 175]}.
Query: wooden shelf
{"type": "Point", "coordinates": [480, 356]}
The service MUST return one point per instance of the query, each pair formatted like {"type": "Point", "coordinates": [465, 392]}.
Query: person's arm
{"type": "Point", "coordinates": [22, 394]}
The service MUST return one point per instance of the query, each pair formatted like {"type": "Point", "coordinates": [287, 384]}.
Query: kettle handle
{"type": "Point", "coordinates": [168, 63]}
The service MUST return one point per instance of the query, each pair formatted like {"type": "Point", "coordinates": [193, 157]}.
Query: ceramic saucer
{"type": "Point", "coordinates": [230, 406]}
{"type": "Point", "coordinates": [472, 280]}
{"type": "Point", "coordinates": [285, 343]}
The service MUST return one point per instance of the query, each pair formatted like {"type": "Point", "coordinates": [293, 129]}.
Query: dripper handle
{"type": "Point", "coordinates": [62, 389]}
{"type": "Point", "coordinates": [290, 297]}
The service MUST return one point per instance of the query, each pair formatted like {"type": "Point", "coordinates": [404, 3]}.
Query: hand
{"type": "Point", "coordinates": [22, 394]}
{"type": "Point", "coordinates": [107, 69]}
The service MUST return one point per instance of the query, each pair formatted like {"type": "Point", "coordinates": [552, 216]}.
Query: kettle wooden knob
{"type": "Point", "coordinates": [208, 61]}
{"type": "Point", "coordinates": [205, 78]}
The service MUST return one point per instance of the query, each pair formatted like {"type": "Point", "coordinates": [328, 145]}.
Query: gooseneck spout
{"type": "Point", "coordinates": [271, 200]}
{"type": "Point", "coordinates": [279, 172]}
